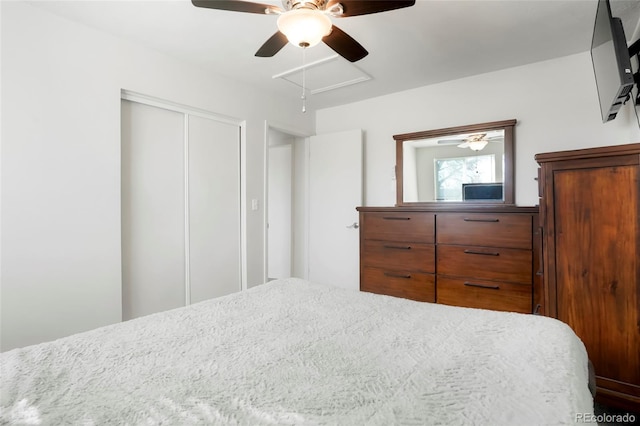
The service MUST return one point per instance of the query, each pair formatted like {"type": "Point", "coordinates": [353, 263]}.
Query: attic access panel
{"type": "Point", "coordinates": [325, 74]}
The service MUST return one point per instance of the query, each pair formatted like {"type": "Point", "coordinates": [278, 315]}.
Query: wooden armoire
{"type": "Point", "coordinates": [590, 219]}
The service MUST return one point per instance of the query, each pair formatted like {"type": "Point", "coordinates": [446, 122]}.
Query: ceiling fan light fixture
{"type": "Point", "coordinates": [304, 27]}
{"type": "Point", "coordinates": [477, 145]}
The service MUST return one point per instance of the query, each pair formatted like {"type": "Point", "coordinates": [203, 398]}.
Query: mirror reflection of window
{"type": "Point", "coordinates": [452, 173]}
{"type": "Point", "coordinates": [420, 178]}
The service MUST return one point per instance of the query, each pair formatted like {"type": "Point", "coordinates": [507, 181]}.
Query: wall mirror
{"type": "Point", "coordinates": [467, 164]}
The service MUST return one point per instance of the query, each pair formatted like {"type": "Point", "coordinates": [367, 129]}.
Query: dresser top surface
{"type": "Point", "coordinates": [448, 208]}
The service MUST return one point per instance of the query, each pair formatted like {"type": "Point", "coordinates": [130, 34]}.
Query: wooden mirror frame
{"type": "Point", "coordinates": [509, 163]}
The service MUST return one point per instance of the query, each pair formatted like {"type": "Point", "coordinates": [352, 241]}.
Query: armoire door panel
{"type": "Point", "coordinates": [596, 264]}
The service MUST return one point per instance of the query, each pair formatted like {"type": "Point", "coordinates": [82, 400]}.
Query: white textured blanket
{"type": "Point", "coordinates": [291, 352]}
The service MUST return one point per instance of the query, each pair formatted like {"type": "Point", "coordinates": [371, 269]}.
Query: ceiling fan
{"type": "Point", "coordinates": [305, 23]}
{"type": "Point", "coordinates": [475, 142]}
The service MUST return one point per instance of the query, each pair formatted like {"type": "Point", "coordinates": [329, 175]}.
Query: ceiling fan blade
{"type": "Point", "coordinates": [345, 45]}
{"type": "Point", "coordinates": [366, 7]}
{"type": "Point", "coordinates": [235, 6]}
{"type": "Point", "coordinates": [450, 141]}
{"type": "Point", "coordinates": [273, 45]}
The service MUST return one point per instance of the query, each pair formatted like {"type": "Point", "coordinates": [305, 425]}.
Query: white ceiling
{"type": "Point", "coordinates": [431, 42]}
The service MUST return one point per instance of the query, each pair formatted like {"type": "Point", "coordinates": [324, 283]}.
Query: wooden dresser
{"type": "Point", "coordinates": [590, 214]}
{"type": "Point", "coordinates": [478, 257]}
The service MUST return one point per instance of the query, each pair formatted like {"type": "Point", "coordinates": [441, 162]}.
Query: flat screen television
{"type": "Point", "coordinates": [611, 61]}
{"type": "Point", "coordinates": [482, 191]}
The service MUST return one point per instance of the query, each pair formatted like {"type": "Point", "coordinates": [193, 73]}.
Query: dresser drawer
{"type": "Point", "coordinates": [398, 226]}
{"type": "Point", "coordinates": [484, 294]}
{"type": "Point", "coordinates": [485, 263]}
{"type": "Point", "coordinates": [398, 283]}
{"type": "Point", "coordinates": [485, 229]}
{"type": "Point", "coordinates": [411, 256]}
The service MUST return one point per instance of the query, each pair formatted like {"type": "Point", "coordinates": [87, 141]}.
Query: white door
{"type": "Point", "coordinates": [214, 209]}
{"type": "Point", "coordinates": [152, 209]}
{"type": "Point", "coordinates": [335, 190]}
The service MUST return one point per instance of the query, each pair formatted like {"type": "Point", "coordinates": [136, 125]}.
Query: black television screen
{"type": "Point", "coordinates": [482, 191]}
{"type": "Point", "coordinates": [611, 61]}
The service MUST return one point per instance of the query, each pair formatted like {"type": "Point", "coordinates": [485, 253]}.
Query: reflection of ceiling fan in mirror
{"type": "Point", "coordinates": [475, 142]}
{"type": "Point", "coordinates": [305, 23]}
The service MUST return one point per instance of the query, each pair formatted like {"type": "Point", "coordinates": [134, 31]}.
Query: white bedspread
{"type": "Point", "coordinates": [291, 352]}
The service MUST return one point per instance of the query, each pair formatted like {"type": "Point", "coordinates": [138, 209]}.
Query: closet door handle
{"type": "Point", "coordinates": [395, 218]}
{"type": "Point", "coordinates": [397, 275]}
{"type": "Point", "coordinates": [468, 219]}
{"type": "Point", "coordinates": [398, 247]}
{"type": "Point", "coordinates": [483, 253]}
{"type": "Point", "coordinates": [488, 287]}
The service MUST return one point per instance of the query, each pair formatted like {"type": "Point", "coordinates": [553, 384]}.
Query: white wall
{"type": "Point", "coordinates": [60, 236]}
{"type": "Point", "coordinates": [555, 103]}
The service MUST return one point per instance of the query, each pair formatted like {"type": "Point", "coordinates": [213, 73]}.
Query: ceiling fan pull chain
{"type": "Point", "coordinates": [304, 80]}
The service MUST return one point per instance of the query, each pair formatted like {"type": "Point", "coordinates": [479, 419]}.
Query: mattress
{"type": "Point", "coordinates": [294, 352]}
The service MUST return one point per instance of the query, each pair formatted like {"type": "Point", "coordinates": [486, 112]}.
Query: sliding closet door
{"type": "Point", "coordinates": [180, 208]}
{"type": "Point", "coordinates": [153, 248]}
{"type": "Point", "coordinates": [214, 208]}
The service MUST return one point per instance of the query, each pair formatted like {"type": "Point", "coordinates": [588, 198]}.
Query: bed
{"type": "Point", "coordinates": [295, 352]}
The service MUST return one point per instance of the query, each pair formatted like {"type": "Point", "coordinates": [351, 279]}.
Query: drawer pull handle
{"type": "Point", "coordinates": [484, 253]}
{"type": "Point", "coordinates": [395, 218]}
{"type": "Point", "coordinates": [468, 219]}
{"type": "Point", "coordinates": [396, 275]}
{"type": "Point", "coordinates": [398, 247]}
{"type": "Point", "coordinates": [489, 287]}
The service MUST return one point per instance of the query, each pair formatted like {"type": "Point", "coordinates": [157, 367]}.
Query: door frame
{"type": "Point", "coordinates": [241, 124]}
{"type": "Point", "coordinates": [298, 134]}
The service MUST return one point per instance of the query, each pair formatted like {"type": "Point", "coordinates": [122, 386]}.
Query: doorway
{"type": "Point", "coordinates": [282, 195]}
{"type": "Point", "coordinates": [325, 187]}
{"type": "Point", "coordinates": [286, 217]}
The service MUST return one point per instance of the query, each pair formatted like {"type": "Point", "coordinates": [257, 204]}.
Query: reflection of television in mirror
{"type": "Point", "coordinates": [482, 191]}
{"type": "Point", "coordinates": [611, 61]}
